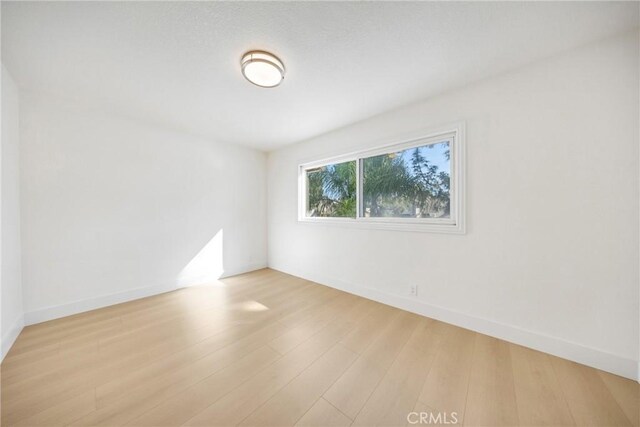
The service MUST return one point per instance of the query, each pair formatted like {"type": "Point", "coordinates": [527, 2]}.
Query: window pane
{"type": "Point", "coordinates": [412, 183]}
{"type": "Point", "coordinates": [331, 190]}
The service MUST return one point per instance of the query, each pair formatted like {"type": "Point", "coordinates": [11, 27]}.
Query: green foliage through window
{"type": "Point", "coordinates": [411, 183]}
{"type": "Point", "coordinates": [332, 190]}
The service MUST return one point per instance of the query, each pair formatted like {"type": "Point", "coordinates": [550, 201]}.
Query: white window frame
{"type": "Point", "coordinates": [455, 224]}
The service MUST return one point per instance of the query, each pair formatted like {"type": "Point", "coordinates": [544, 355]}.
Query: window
{"type": "Point", "coordinates": [413, 185]}
{"type": "Point", "coordinates": [331, 190]}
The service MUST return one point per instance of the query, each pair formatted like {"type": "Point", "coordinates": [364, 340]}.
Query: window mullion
{"type": "Point", "coordinates": [358, 188]}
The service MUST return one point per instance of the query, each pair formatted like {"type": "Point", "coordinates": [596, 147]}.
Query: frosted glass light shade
{"type": "Point", "coordinates": [262, 68]}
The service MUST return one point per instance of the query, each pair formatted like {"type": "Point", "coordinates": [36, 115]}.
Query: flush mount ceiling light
{"type": "Point", "coordinates": [262, 68]}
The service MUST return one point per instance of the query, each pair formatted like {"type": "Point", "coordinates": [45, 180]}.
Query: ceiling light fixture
{"type": "Point", "coordinates": [262, 68]}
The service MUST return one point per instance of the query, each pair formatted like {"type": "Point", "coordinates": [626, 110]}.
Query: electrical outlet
{"type": "Point", "coordinates": [413, 290]}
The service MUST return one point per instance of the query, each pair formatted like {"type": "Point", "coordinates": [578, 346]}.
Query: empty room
{"type": "Point", "coordinates": [302, 213]}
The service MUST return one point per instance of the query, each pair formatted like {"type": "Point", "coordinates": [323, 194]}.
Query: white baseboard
{"type": "Point", "coordinates": [228, 272]}
{"type": "Point", "coordinates": [10, 337]}
{"type": "Point", "coordinates": [63, 310]}
{"type": "Point", "coordinates": [595, 358]}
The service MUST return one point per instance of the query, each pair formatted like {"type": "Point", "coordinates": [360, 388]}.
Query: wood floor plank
{"type": "Point", "coordinates": [179, 408]}
{"type": "Point", "coordinates": [323, 414]}
{"type": "Point", "coordinates": [267, 348]}
{"type": "Point", "coordinates": [590, 401]}
{"type": "Point", "coordinates": [447, 382]}
{"type": "Point", "coordinates": [360, 338]}
{"type": "Point", "coordinates": [491, 398]}
{"type": "Point", "coordinates": [138, 404]}
{"type": "Point", "coordinates": [152, 391]}
{"type": "Point", "coordinates": [63, 414]}
{"type": "Point", "coordinates": [73, 326]}
{"type": "Point", "coordinates": [310, 326]}
{"type": "Point", "coordinates": [396, 395]}
{"type": "Point", "coordinates": [106, 342]}
{"type": "Point", "coordinates": [351, 391]}
{"type": "Point", "coordinates": [241, 402]}
{"type": "Point", "coordinates": [538, 393]}
{"type": "Point", "coordinates": [186, 368]}
{"type": "Point", "coordinates": [195, 297]}
{"type": "Point", "coordinates": [62, 389]}
{"type": "Point", "coordinates": [626, 392]}
{"type": "Point", "coordinates": [72, 332]}
{"type": "Point", "coordinates": [59, 390]}
{"type": "Point", "coordinates": [287, 406]}
{"type": "Point", "coordinates": [244, 337]}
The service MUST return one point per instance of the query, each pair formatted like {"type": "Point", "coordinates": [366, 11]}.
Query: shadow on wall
{"type": "Point", "coordinates": [206, 266]}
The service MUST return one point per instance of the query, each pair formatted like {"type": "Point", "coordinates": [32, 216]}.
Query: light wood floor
{"type": "Point", "coordinates": [266, 348]}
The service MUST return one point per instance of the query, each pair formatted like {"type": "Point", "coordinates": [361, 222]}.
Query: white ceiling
{"type": "Point", "coordinates": [178, 63]}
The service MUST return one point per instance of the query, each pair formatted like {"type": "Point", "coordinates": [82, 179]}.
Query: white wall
{"type": "Point", "coordinates": [11, 319]}
{"type": "Point", "coordinates": [113, 209]}
{"type": "Point", "coordinates": [550, 257]}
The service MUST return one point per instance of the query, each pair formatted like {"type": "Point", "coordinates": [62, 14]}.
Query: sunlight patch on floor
{"type": "Point", "coordinates": [253, 306]}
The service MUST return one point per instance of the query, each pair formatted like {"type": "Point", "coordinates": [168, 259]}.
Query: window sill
{"type": "Point", "coordinates": [444, 227]}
